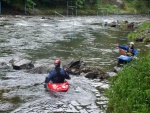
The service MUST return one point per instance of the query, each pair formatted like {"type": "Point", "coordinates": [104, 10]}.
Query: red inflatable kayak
{"type": "Point", "coordinates": [59, 87]}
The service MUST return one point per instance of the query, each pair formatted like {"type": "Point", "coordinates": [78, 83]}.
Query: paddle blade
{"type": "Point", "coordinates": [123, 52]}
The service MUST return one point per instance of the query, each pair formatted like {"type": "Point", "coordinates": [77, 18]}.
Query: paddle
{"type": "Point", "coordinates": [36, 84]}
{"type": "Point", "coordinates": [123, 52]}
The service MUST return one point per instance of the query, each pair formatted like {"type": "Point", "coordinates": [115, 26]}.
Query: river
{"type": "Point", "coordinates": [64, 38]}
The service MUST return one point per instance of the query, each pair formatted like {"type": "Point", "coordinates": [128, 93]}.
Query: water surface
{"type": "Point", "coordinates": [43, 41]}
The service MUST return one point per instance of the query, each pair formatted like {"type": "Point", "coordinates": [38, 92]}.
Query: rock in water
{"type": "Point", "coordinates": [21, 64]}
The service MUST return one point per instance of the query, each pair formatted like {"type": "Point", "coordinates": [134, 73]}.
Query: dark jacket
{"type": "Point", "coordinates": [127, 48]}
{"type": "Point", "coordinates": [57, 75]}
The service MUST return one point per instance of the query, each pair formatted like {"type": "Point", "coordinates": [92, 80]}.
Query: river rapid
{"type": "Point", "coordinates": [64, 38]}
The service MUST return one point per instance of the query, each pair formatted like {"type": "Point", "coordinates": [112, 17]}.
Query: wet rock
{"type": "Point", "coordinates": [43, 17]}
{"type": "Point", "coordinates": [139, 39]}
{"type": "Point", "coordinates": [96, 74]}
{"type": "Point", "coordinates": [113, 24]}
{"type": "Point", "coordinates": [19, 63]}
{"type": "Point", "coordinates": [78, 67]}
{"type": "Point", "coordinates": [104, 24]}
{"type": "Point", "coordinates": [39, 70]}
{"type": "Point", "coordinates": [2, 63]}
{"type": "Point", "coordinates": [117, 69]}
{"type": "Point", "coordinates": [74, 66]}
{"type": "Point", "coordinates": [148, 45]}
{"type": "Point", "coordinates": [1, 25]}
{"type": "Point", "coordinates": [130, 25]}
{"type": "Point", "coordinates": [111, 74]}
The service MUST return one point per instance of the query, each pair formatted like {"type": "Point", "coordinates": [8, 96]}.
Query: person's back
{"type": "Point", "coordinates": [57, 75]}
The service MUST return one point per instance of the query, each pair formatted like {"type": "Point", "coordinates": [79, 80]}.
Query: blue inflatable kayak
{"type": "Point", "coordinates": [124, 58]}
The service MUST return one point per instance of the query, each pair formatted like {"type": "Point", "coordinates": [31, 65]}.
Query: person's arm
{"type": "Point", "coordinates": [66, 74]}
{"type": "Point", "coordinates": [135, 52]}
{"type": "Point", "coordinates": [48, 78]}
{"type": "Point", "coordinates": [122, 47]}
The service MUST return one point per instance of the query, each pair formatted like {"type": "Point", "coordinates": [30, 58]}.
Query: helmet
{"type": "Point", "coordinates": [132, 43]}
{"type": "Point", "coordinates": [57, 62]}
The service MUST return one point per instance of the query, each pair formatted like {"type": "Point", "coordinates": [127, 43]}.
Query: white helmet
{"type": "Point", "coordinates": [132, 43]}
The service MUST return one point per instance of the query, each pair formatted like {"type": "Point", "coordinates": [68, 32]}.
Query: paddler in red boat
{"type": "Point", "coordinates": [57, 75]}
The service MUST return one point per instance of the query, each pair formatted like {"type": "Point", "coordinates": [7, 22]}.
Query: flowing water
{"type": "Point", "coordinates": [64, 38]}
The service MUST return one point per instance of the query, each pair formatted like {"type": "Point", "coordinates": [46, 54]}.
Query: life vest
{"type": "Point", "coordinates": [130, 52]}
{"type": "Point", "coordinates": [58, 77]}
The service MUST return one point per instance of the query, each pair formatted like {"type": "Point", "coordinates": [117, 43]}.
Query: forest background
{"type": "Point", "coordinates": [74, 7]}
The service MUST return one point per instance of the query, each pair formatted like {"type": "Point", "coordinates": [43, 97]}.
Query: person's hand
{"type": "Point", "coordinates": [116, 45]}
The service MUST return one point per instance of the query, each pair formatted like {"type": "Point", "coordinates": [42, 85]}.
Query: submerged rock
{"type": "Point", "coordinates": [39, 70]}
{"type": "Point", "coordinates": [117, 69]}
{"type": "Point", "coordinates": [2, 63]}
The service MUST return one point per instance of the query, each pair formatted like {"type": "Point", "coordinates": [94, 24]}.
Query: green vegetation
{"type": "Point", "coordinates": [142, 33]}
{"type": "Point", "coordinates": [137, 6]}
{"type": "Point", "coordinates": [84, 6]}
{"type": "Point", "coordinates": [129, 91]}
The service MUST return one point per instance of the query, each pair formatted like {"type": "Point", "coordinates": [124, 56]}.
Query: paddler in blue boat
{"type": "Point", "coordinates": [57, 75]}
{"type": "Point", "coordinates": [128, 50]}
{"type": "Point", "coordinates": [128, 53]}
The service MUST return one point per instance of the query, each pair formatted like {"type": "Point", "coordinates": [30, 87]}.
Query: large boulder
{"type": "Point", "coordinates": [113, 24]}
{"type": "Point", "coordinates": [74, 66]}
{"type": "Point", "coordinates": [78, 67]}
{"type": "Point", "coordinates": [19, 63]}
{"type": "Point", "coordinates": [130, 25]}
{"type": "Point", "coordinates": [94, 73]}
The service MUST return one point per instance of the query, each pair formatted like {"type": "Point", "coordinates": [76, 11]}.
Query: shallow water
{"type": "Point", "coordinates": [65, 38]}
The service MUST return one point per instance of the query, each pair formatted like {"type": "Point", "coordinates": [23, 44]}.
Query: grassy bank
{"type": "Point", "coordinates": [142, 33]}
{"type": "Point", "coordinates": [129, 91]}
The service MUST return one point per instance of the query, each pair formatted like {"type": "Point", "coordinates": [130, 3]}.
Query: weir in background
{"type": "Point", "coordinates": [72, 7]}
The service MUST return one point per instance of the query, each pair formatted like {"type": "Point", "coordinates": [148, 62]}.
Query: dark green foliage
{"type": "Point", "coordinates": [130, 6]}
{"type": "Point", "coordinates": [141, 6]}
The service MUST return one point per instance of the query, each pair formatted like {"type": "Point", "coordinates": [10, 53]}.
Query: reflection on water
{"type": "Point", "coordinates": [44, 40]}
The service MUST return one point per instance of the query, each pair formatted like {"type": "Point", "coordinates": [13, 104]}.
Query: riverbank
{"type": "Point", "coordinates": [141, 34]}
{"type": "Point", "coordinates": [129, 91]}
